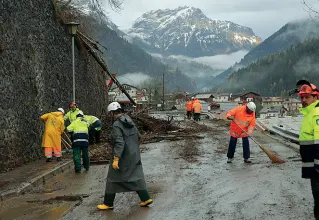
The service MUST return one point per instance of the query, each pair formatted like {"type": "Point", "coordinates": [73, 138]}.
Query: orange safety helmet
{"type": "Point", "coordinates": [308, 89]}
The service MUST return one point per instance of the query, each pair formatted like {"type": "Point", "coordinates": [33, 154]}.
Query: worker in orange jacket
{"type": "Point", "coordinates": [192, 100]}
{"type": "Point", "coordinates": [189, 107]}
{"type": "Point", "coordinates": [197, 108]}
{"type": "Point", "coordinates": [243, 123]}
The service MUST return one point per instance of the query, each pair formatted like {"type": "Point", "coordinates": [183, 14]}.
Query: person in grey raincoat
{"type": "Point", "coordinates": [125, 172]}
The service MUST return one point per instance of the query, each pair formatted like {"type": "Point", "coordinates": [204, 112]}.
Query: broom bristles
{"type": "Point", "coordinates": [274, 158]}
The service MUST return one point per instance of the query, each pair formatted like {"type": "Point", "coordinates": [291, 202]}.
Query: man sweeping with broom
{"type": "Point", "coordinates": [243, 124]}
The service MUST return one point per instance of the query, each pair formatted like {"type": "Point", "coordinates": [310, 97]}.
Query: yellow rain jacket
{"type": "Point", "coordinates": [54, 127]}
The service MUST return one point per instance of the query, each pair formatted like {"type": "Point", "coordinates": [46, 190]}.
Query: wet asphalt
{"type": "Point", "coordinates": [182, 186]}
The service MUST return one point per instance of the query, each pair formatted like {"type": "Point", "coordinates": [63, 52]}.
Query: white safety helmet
{"type": "Point", "coordinates": [80, 113]}
{"type": "Point", "coordinates": [251, 106]}
{"type": "Point", "coordinates": [61, 110]}
{"type": "Point", "coordinates": [113, 106]}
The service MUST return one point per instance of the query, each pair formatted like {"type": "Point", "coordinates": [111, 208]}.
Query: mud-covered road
{"type": "Point", "coordinates": [187, 180]}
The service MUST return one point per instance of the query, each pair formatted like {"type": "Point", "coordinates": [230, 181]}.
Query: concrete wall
{"type": "Point", "coordinates": [36, 77]}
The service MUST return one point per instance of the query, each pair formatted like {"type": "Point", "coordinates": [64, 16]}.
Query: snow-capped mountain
{"type": "Point", "coordinates": [188, 31]}
{"type": "Point", "coordinates": [93, 8]}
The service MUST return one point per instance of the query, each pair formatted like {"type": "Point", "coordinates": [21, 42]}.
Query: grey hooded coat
{"type": "Point", "coordinates": [125, 136]}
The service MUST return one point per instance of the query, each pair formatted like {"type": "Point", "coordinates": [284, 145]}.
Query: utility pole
{"type": "Point", "coordinates": [150, 98]}
{"type": "Point", "coordinates": [163, 93]}
{"type": "Point", "coordinates": [73, 26]}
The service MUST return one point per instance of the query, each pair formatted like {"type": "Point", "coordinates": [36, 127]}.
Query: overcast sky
{"type": "Point", "coordinates": [263, 16]}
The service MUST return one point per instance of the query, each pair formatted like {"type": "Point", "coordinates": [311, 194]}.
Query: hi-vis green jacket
{"type": "Point", "coordinates": [71, 115]}
{"type": "Point", "coordinates": [94, 122]}
{"type": "Point", "coordinates": [309, 141]}
{"type": "Point", "coordinates": [79, 130]}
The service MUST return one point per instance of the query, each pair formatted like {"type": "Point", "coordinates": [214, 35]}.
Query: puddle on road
{"type": "Point", "coordinates": [37, 211]}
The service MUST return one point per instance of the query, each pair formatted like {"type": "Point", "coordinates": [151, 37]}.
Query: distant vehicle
{"type": "Point", "coordinates": [214, 105]}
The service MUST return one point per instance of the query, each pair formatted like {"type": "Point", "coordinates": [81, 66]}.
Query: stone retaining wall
{"type": "Point", "coordinates": [36, 77]}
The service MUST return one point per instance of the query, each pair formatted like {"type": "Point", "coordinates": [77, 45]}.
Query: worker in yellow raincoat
{"type": "Point", "coordinates": [54, 127]}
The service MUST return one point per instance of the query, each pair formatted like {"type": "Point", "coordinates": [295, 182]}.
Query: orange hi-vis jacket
{"type": "Point", "coordinates": [197, 107]}
{"type": "Point", "coordinates": [189, 106]}
{"type": "Point", "coordinates": [241, 120]}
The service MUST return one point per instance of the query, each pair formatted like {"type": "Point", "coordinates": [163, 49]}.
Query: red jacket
{"type": "Point", "coordinates": [241, 120]}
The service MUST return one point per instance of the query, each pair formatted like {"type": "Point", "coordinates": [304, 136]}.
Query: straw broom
{"type": "Point", "coordinates": [274, 158]}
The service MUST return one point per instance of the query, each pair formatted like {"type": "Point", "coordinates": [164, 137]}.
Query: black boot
{"type": "Point", "coordinates": [316, 212]}
{"type": "Point", "coordinates": [49, 160]}
{"type": "Point", "coordinates": [97, 137]}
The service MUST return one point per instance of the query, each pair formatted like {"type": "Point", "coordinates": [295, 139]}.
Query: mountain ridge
{"type": "Point", "coordinates": [123, 57]}
{"type": "Point", "coordinates": [188, 31]}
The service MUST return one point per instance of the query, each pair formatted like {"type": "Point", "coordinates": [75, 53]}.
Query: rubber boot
{"type": "Point", "coordinates": [104, 207]}
{"type": "Point", "coordinates": [77, 159]}
{"type": "Point", "coordinates": [85, 158]}
{"type": "Point", "coordinates": [145, 198]}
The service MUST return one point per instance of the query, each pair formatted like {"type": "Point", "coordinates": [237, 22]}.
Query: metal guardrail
{"type": "Point", "coordinates": [286, 131]}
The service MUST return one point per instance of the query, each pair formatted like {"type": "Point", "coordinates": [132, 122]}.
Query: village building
{"type": "Point", "coordinates": [246, 97]}
{"type": "Point", "coordinates": [207, 97]}
{"type": "Point", "coordinates": [222, 97]}
{"type": "Point", "coordinates": [141, 97]}
{"type": "Point", "coordinates": [274, 111]}
{"type": "Point", "coordinates": [291, 104]}
{"type": "Point", "coordinates": [272, 101]}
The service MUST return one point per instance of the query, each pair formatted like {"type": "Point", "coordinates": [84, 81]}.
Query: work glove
{"type": "Point", "coordinates": [115, 163]}
{"type": "Point", "coordinates": [231, 117]}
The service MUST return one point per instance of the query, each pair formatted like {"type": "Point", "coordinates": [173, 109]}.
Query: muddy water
{"type": "Point", "coordinates": [201, 188]}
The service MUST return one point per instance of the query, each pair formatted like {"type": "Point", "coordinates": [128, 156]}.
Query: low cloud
{"type": "Point", "coordinates": [129, 38]}
{"type": "Point", "coordinates": [134, 79]}
{"type": "Point", "coordinates": [222, 61]}
{"type": "Point", "coordinates": [301, 29]}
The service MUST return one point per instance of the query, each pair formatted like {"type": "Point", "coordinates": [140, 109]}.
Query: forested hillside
{"type": "Point", "coordinates": [290, 34]}
{"type": "Point", "coordinates": [276, 74]}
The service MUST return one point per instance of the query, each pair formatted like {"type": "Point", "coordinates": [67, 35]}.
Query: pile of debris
{"type": "Point", "coordinates": [146, 123]}
{"type": "Point", "coordinates": [152, 130]}
{"type": "Point", "coordinates": [155, 130]}
{"type": "Point", "coordinates": [100, 153]}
